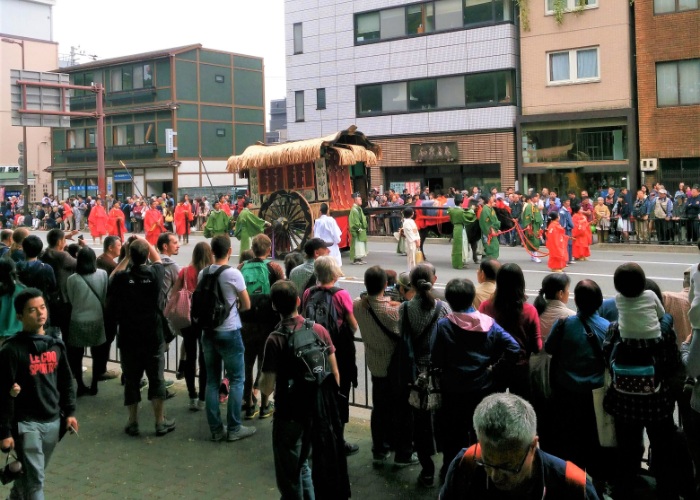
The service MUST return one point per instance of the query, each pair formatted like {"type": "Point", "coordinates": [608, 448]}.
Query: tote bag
{"type": "Point", "coordinates": [177, 311]}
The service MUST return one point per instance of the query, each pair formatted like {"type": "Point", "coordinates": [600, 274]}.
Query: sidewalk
{"type": "Point", "coordinates": [103, 462]}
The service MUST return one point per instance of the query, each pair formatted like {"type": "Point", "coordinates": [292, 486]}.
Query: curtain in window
{"type": "Point", "coordinates": [394, 97]}
{"type": "Point", "coordinates": [689, 72]}
{"type": "Point", "coordinates": [298, 39]}
{"type": "Point", "coordinates": [116, 80]}
{"type": "Point", "coordinates": [587, 63]}
{"type": "Point", "coordinates": [448, 14]}
{"type": "Point", "coordinates": [450, 92]}
{"type": "Point", "coordinates": [661, 6]}
{"type": "Point", "coordinates": [559, 66]}
{"type": "Point", "coordinates": [393, 23]}
{"type": "Point", "coordinates": [299, 105]}
{"type": "Point", "coordinates": [667, 84]}
{"type": "Point", "coordinates": [687, 4]}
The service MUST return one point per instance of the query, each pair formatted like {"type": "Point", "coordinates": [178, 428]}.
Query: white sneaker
{"type": "Point", "coordinates": [536, 259]}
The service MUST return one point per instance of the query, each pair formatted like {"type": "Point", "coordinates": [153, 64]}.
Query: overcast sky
{"type": "Point", "coordinates": [113, 29]}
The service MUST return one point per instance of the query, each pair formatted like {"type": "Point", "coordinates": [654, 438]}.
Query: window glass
{"type": "Point", "coordinates": [90, 138]}
{"type": "Point", "coordinates": [367, 27]}
{"type": "Point", "coordinates": [689, 76]}
{"type": "Point", "coordinates": [450, 92]}
{"type": "Point", "coordinates": [480, 89]}
{"type": "Point", "coordinates": [147, 76]}
{"type": "Point", "coordinates": [393, 23]}
{"type": "Point", "coordinates": [320, 98]}
{"type": "Point", "coordinates": [299, 105]}
{"type": "Point", "coordinates": [558, 66]}
{"type": "Point", "coordinates": [298, 39]}
{"type": "Point", "coordinates": [78, 79]}
{"type": "Point", "coordinates": [667, 84]}
{"type": "Point", "coordinates": [116, 80]}
{"type": "Point", "coordinates": [420, 18]}
{"type": "Point", "coordinates": [127, 79]}
{"type": "Point", "coordinates": [477, 11]}
{"type": "Point", "coordinates": [139, 133]}
{"type": "Point", "coordinates": [663, 6]}
{"type": "Point", "coordinates": [422, 94]}
{"type": "Point", "coordinates": [369, 99]}
{"type": "Point", "coordinates": [138, 77]}
{"type": "Point", "coordinates": [504, 87]}
{"type": "Point", "coordinates": [503, 10]}
{"type": "Point", "coordinates": [394, 97]}
{"type": "Point", "coordinates": [587, 63]}
{"type": "Point", "coordinates": [130, 135]}
{"type": "Point", "coordinates": [687, 4]}
{"type": "Point", "coordinates": [448, 14]}
{"type": "Point", "coordinates": [119, 135]}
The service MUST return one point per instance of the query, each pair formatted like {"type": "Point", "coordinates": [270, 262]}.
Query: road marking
{"type": "Point", "coordinates": [655, 278]}
{"type": "Point", "coordinates": [644, 262]}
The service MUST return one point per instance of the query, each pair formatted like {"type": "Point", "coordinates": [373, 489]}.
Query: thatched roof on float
{"type": "Point", "coordinates": [350, 146]}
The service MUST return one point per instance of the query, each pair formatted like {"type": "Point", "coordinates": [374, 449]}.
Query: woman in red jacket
{"type": "Point", "coordinates": [183, 217]}
{"type": "Point", "coordinates": [556, 244]}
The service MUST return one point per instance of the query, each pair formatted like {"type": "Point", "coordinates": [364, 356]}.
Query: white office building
{"type": "Point", "coordinates": [434, 83]}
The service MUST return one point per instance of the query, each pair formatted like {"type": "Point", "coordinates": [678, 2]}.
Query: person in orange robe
{"type": "Point", "coordinates": [67, 216]}
{"type": "Point", "coordinates": [97, 221]}
{"type": "Point", "coordinates": [115, 225]}
{"type": "Point", "coordinates": [225, 206]}
{"type": "Point", "coordinates": [581, 233]}
{"type": "Point", "coordinates": [556, 244]}
{"type": "Point", "coordinates": [183, 217]}
{"type": "Point", "coordinates": [153, 223]}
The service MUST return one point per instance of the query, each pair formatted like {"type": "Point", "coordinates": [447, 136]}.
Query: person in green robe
{"type": "Point", "coordinates": [460, 219]}
{"type": "Point", "coordinates": [357, 224]}
{"type": "Point", "coordinates": [217, 222]}
{"type": "Point", "coordinates": [248, 225]}
{"type": "Point", "coordinates": [531, 223]}
{"type": "Point", "coordinates": [489, 224]}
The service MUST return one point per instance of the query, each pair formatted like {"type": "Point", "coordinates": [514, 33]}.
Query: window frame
{"type": "Point", "coordinates": [299, 116]}
{"type": "Point", "coordinates": [676, 9]}
{"type": "Point", "coordinates": [573, 66]}
{"type": "Point", "coordinates": [571, 6]}
{"type": "Point", "coordinates": [321, 98]}
{"type": "Point", "coordinates": [300, 48]}
{"type": "Point", "coordinates": [677, 65]}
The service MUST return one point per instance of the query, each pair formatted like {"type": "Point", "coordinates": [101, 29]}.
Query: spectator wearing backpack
{"type": "Point", "coordinates": [259, 274]}
{"type": "Point", "coordinates": [326, 228]}
{"type": "Point", "coordinates": [306, 414]}
{"type": "Point", "coordinates": [378, 319]}
{"type": "Point", "coordinates": [332, 307]}
{"type": "Point", "coordinates": [220, 288]}
{"type": "Point", "coordinates": [132, 304]}
{"type": "Point", "coordinates": [302, 275]}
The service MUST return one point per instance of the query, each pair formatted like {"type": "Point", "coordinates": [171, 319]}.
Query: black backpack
{"type": "Point", "coordinates": [308, 352]}
{"type": "Point", "coordinates": [209, 308]}
{"type": "Point", "coordinates": [320, 309]}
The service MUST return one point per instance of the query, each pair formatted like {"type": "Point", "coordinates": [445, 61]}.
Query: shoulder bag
{"type": "Point", "coordinates": [604, 421]}
{"type": "Point", "coordinates": [425, 391]}
{"type": "Point", "coordinates": [177, 310]}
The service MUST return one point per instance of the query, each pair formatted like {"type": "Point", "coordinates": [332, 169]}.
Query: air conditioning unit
{"type": "Point", "coordinates": [649, 164]}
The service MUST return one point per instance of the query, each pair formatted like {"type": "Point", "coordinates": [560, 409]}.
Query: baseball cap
{"type": "Point", "coordinates": [404, 280]}
{"type": "Point", "coordinates": [314, 244]}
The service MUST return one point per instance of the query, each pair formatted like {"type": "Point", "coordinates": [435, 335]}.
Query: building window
{"type": "Point", "coordinates": [573, 66]}
{"type": "Point", "coordinates": [678, 83]}
{"type": "Point", "coordinates": [429, 17]}
{"type": "Point", "coordinates": [219, 78]}
{"type": "Point", "coordinates": [299, 105]}
{"type": "Point", "coordinates": [220, 132]}
{"type": "Point", "coordinates": [571, 5]}
{"type": "Point", "coordinates": [666, 6]}
{"type": "Point", "coordinates": [75, 139]}
{"type": "Point", "coordinates": [129, 135]}
{"type": "Point", "coordinates": [90, 138]}
{"type": "Point", "coordinates": [138, 76]}
{"type": "Point", "coordinates": [298, 39]}
{"type": "Point", "coordinates": [471, 91]}
{"type": "Point", "coordinates": [320, 98]}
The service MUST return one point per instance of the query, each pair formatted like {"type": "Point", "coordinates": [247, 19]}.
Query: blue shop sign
{"type": "Point", "coordinates": [9, 194]}
{"type": "Point", "coordinates": [122, 176]}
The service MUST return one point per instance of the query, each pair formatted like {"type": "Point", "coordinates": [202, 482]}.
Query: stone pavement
{"type": "Point", "coordinates": [104, 463]}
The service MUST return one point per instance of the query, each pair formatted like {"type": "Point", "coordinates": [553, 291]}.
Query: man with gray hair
{"type": "Point", "coordinates": [507, 462]}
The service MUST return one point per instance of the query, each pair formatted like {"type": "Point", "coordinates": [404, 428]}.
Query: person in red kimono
{"type": "Point", "coordinates": [582, 236]}
{"type": "Point", "coordinates": [183, 217]}
{"type": "Point", "coordinates": [97, 221]}
{"type": "Point", "coordinates": [556, 244]}
{"type": "Point", "coordinates": [67, 216]}
{"type": "Point", "coordinates": [115, 225]}
{"type": "Point", "coordinates": [223, 201]}
{"type": "Point", "coordinates": [153, 223]}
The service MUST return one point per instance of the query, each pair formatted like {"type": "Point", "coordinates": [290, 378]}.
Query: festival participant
{"type": "Point", "coordinates": [410, 232]}
{"type": "Point", "coordinates": [582, 235]}
{"type": "Point", "coordinates": [460, 218]}
{"type": "Point", "coordinates": [217, 222]}
{"type": "Point", "coordinates": [556, 244]}
{"type": "Point", "coordinates": [532, 224]}
{"type": "Point", "coordinates": [68, 223]}
{"type": "Point", "coordinates": [97, 221]}
{"type": "Point", "coordinates": [327, 229]}
{"type": "Point", "coordinates": [183, 218]}
{"type": "Point", "coordinates": [358, 231]}
{"type": "Point", "coordinates": [115, 224]}
{"type": "Point", "coordinates": [248, 225]}
{"type": "Point", "coordinates": [153, 223]}
{"type": "Point", "coordinates": [489, 223]}
{"type": "Point", "coordinates": [225, 207]}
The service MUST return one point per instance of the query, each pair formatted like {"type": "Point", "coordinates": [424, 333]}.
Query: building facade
{"type": "Point", "coordinates": [578, 124]}
{"type": "Point", "coordinates": [668, 81]}
{"type": "Point", "coordinates": [172, 117]}
{"type": "Point", "coordinates": [277, 128]}
{"type": "Point", "coordinates": [434, 83]}
{"type": "Point", "coordinates": [26, 34]}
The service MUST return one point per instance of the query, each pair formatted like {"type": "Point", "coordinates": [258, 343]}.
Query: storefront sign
{"type": "Point", "coordinates": [434, 152]}
{"type": "Point", "coordinates": [122, 176]}
{"type": "Point", "coordinates": [10, 194]}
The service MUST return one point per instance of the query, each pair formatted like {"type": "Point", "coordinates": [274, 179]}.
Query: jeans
{"type": "Point", "coordinates": [35, 443]}
{"type": "Point", "coordinates": [226, 347]}
{"type": "Point", "coordinates": [291, 444]}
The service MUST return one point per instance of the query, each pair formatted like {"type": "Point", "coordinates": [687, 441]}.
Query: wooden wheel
{"type": "Point", "coordinates": [291, 219]}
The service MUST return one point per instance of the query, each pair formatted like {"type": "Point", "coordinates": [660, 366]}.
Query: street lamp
{"type": "Point", "coordinates": [25, 180]}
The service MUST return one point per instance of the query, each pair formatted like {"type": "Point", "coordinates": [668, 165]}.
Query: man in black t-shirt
{"type": "Point", "coordinates": [132, 305]}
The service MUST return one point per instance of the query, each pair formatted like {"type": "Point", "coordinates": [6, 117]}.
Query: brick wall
{"type": "Point", "coordinates": [669, 132]}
